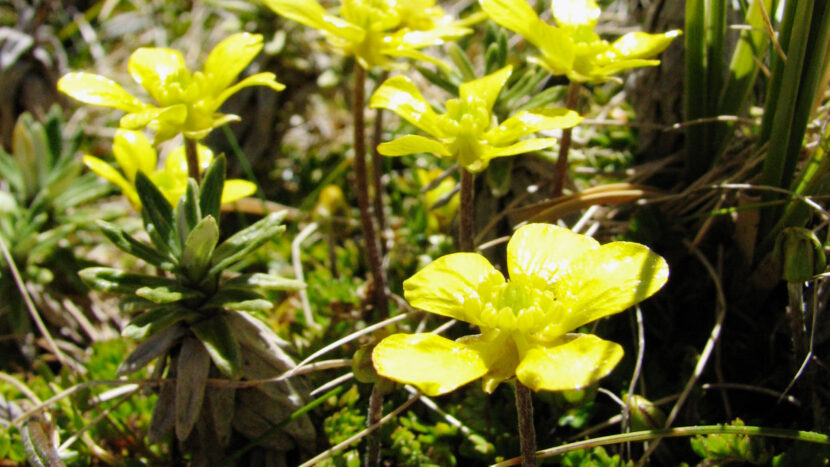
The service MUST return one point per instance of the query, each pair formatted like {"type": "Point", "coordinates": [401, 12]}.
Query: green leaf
{"type": "Point", "coordinates": [188, 213]}
{"type": "Point", "coordinates": [220, 343]}
{"type": "Point", "coordinates": [168, 293]}
{"type": "Point", "coordinates": [198, 248]}
{"type": "Point", "coordinates": [264, 281]}
{"type": "Point", "coordinates": [147, 351]}
{"type": "Point", "coordinates": [210, 193]}
{"type": "Point", "coordinates": [158, 211]}
{"type": "Point", "coordinates": [246, 241]}
{"type": "Point", "coordinates": [125, 242]}
{"type": "Point", "coordinates": [239, 300]}
{"type": "Point", "coordinates": [156, 320]}
{"type": "Point", "coordinates": [115, 281]}
{"type": "Point", "coordinates": [193, 368]}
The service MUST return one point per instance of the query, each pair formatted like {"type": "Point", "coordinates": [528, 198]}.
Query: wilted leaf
{"type": "Point", "coordinates": [220, 343]}
{"type": "Point", "coordinates": [193, 368]}
{"type": "Point", "coordinates": [148, 350]}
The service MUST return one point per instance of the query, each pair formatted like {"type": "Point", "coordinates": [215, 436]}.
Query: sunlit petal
{"type": "Point", "coordinates": [643, 45]}
{"type": "Point", "coordinates": [607, 280]}
{"type": "Point", "coordinates": [97, 90]}
{"type": "Point", "coordinates": [413, 144]}
{"type": "Point", "coordinates": [432, 363]}
{"type": "Point", "coordinates": [176, 162]}
{"type": "Point", "coordinates": [173, 116]}
{"type": "Point", "coordinates": [528, 122]}
{"type": "Point", "coordinates": [133, 152]}
{"type": "Point", "coordinates": [108, 173]}
{"type": "Point", "coordinates": [499, 353]}
{"type": "Point", "coordinates": [399, 95]}
{"type": "Point", "coordinates": [311, 13]}
{"type": "Point", "coordinates": [574, 362]}
{"type": "Point", "coordinates": [575, 12]}
{"type": "Point", "coordinates": [487, 88]}
{"type": "Point", "coordinates": [259, 79]}
{"type": "Point", "coordinates": [522, 147]}
{"type": "Point", "coordinates": [155, 69]}
{"type": "Point", "coordinates": [453, 285]}
{"type": "Point", "coordinates": [229, 58]}
{"type": "Point", "coordinates": [541, 253]}
{"type": "Point", "coordinates": [236, 189]}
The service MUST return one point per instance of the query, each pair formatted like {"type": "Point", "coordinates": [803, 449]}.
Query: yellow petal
{"type": "Point", "coordinates": [229, 58]}
{"type": "Point", "coordinates": [605, 281]}
{"type": "Point", "coordinates": [168, 120]}
{"type": "Point", "coordinates": [236, 189]}
{"type": "Point", "coordinates": [575, 12]}
{"type": "Point", "coordinates": [515, 15]}
{"type": "Point", "coordinates": [522, 147]}
{"type": "Point", "coordinates": [156, 69]}
{"type": "Point", "coordinates": [528, 122]}
{"type": "Point", "coordinates": [413, 144]}
{"type": "Point", "coordinates": [499, 353]}
{"type": "Point", "coordinates": [399, 95]}
{"type": "Point", "coordinates": [487, 88]}
{"type": "Point", "coordinates": [643, 45]}
{"type": "Point", "coordinates": [110, 174]}
{"type": "Point", "coordinates": [259, 79]}
{"type": "Point", "coordinates": [170, 185]}
{"type": "Point", "coordinates": [97, 90]}
{"type": "Point", "coordinates": [311, 13]}
{"type": "Point", "coordinates": [432, 363]}
{"type": "Point", "coordinates": [577, 362]}
{"type": "Point", "coordinates": [453, 285]}
{"type": "Point", "coordinates": [134, 152]}
{"type": "Point", "coordinates": [603, 73]}
{"type": "Point", "coordinates": [540, 253]}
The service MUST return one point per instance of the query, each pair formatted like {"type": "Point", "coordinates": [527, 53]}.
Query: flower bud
{"type": "Point", "coordinates": [644, 415]}
{"type": "Point", "coordinates": [800, 254]}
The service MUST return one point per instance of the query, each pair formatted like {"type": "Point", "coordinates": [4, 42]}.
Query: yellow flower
{"type": "Point", "coordinates": [466, 132]}
{"type": "Point", "coordinates": [134, 153]}
{"type": "Point", "coordinates": [187, 103]}
{"type": "Point", "coordinates": [573, 48]}
{"type": "Point", "coordinates": [376, 32]}
{"type": "Point", "coordinates": [559, 281]}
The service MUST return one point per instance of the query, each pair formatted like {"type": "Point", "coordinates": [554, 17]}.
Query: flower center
{"type": "Point", "coordinates": [465, 122]}
{"type": "Point", "coordinates": [518, 307]}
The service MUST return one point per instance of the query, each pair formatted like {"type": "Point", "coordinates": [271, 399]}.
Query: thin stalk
{"type": "Point", "coordinates": [377, 170]}
{"type": "Point", "coordinates": [372, 250]}
{"type": "Point", "coordinates": [192, 153]}
{"type": "Point", "coordinates": [466, 211]}
{"type": "Point", "coordinates": [561, 173]}
{"type": "Point", "coordinates": [373, 418]}
{"type": "Point", "coordinates": [795, 292]}
{"type": "Point", "coordinates": [527, 433]}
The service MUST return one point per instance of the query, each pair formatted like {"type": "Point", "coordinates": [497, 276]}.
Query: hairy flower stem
{"type": "Point", "coordinates": [377, 170]}
{"type": "Point", "coordinates": [466, 212]}
{"type": "Point", "coordinates": [796, 298]}
{"type": "Point", "coordinates": [527, 433]}
{"type": "Point", "coordinates": [192, 154]}
{"type": "Point", "coordinates": [372, 250]}
{"type": "Point", "coordinates": [374, 416]}
{"type": "Point", "coordinates": [561, 172]}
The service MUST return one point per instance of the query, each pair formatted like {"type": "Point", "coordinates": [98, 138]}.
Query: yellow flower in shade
{"type": "Point", "coordinates": [440, 217]}
{"type": "Point", "coordinates": [467, 132]}
{"type": "Point", "coordinates": [187, 102]}
{"type": "Point", "coordinates": [559, 281]}
{"type": "Point", "coordinates": [134, 153]}
{"type": "Point", "coordinates": [376, 32]}
{"type": "Point", "coordinates": [573, 48]}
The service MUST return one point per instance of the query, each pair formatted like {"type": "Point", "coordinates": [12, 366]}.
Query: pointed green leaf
{"type": "Point", "coordinates": [220, 343]}
{"type": "Point", "coordinates": [168, 293]}
{"type": "Point", "coordinates": [264, 281]}
{"type": "Point", "coordinates": [210, 194]}
{"type": "Point", "coordinates": [191, 376]}
{"type": "Point", "coordinates": [128, 244]}
{"type": "Point", "coordinates": [198, 248]}
{"type": "Point", "coordinates": [148, 350]}
{"type": "Point", "coordinates": [239, 300]}
{"type": "Point", "coordinates": [153, 321]}
{"type": "Point", "coordinates": [116, 281]}
{"type": "Point", "coordinates": [188, 212]}
{"type": "Point", "coordinates": [158, 210]}
{"type": "Point", "coordinates": [246, 241]}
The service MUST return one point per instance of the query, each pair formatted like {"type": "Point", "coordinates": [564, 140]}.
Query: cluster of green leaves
{"type": "Point", "coordinates": [197, 321]}
{"type": "Point", "coordinates": [39, 210]}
